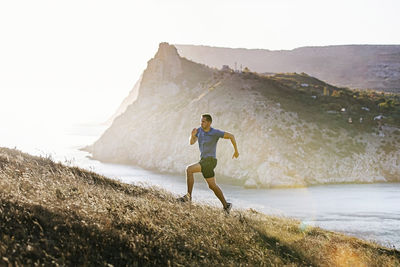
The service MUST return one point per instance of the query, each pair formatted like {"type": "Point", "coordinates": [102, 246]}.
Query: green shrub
{"type": "Point", "coordinates": [336, 93]}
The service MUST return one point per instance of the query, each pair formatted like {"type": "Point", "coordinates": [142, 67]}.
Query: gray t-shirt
{"type": "Point", "coordinates": [208, 141]}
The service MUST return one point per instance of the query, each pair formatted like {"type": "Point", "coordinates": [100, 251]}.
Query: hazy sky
{"type": "Point", "coordinates": [75, 61]}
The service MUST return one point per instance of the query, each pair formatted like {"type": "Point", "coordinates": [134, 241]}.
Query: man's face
{"type": "Point", "coordinates": [204, 123]}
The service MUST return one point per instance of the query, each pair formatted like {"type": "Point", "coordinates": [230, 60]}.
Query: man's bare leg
{"type": "Point", "coordinates": [190, 170]}
{"type": "Point", "coordinates": [217, 191]}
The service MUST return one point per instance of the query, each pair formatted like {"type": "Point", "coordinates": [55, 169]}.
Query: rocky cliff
{"type": "Point", "coordinates": [282, 141]}
{"type": "Point", "coordinates": [355, 66]}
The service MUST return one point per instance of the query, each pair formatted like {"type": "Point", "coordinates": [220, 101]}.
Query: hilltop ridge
{"type": "Point", "coordinates": [356, 66]}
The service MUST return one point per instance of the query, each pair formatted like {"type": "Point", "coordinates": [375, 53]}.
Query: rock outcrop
{"type": "Point", "coordinates": [278, 148]}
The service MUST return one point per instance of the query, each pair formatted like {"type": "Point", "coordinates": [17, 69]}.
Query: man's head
{"type": "Point", "coordinates": [206, 121]}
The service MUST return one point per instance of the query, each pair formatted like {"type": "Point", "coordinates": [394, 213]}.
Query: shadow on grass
{"type": "Point", "coordinates": [286, 253]}
{"type": "Point", "coordinates": [33, 234]}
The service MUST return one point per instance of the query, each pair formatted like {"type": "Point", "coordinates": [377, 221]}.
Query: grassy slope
{"type": "Point", "coordinates": [55, 214]}
{"type": "Point", "coordinates": [287, 89]}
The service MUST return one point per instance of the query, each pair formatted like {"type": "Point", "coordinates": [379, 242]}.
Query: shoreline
{"type": "Point", "coordinates": [228, 180]}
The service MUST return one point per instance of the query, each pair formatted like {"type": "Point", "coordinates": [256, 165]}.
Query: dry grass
{"type": "Point", "coordinates": [51, 214]}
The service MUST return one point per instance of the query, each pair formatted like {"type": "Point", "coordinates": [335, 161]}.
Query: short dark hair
{"type": "Point", "coordinates": [207, 117]}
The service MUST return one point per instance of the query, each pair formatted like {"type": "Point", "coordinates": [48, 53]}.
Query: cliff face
{"type": "Point", "coordinates": [277, 146]}
{"type": "Point", "coordinates": [355, 66]}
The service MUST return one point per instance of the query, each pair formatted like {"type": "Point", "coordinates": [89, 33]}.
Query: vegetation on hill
{"type": "Point", "coordinates": [331, 106]}
{"type": "Point", "coordinates": [52, 214]}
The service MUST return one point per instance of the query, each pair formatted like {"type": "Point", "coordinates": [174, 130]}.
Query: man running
{"type": "Point", "coordinates": [208, 138]}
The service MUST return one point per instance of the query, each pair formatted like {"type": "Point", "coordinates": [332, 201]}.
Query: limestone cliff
{"type": "Point", "coordinates": [280, 143]}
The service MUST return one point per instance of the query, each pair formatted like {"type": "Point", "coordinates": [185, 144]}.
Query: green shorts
{"type": "Point", "coordinates": [207, 166]}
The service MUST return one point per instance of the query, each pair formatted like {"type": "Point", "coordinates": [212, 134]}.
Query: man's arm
{"type": "Point", "coordinates": [230, 136]}
{"type": "Point", "coordinates": [193, 137]}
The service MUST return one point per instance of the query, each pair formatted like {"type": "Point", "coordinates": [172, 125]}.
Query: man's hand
{"type": "Point", "coordinates": [193, 137]}
{"type": "Point", "coordinates": [194, 132]}
{"type": "Point", "coordinates": [232, 137]}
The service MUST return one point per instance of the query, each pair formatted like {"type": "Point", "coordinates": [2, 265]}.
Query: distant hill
{"type": "Point", "coordinates": [56, 215]}
{"type": "Point", "coordinates": [292, 129]}
{"type": "Point", "coordinates": [355, 66]}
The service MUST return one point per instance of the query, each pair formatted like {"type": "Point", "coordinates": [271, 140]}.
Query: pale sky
{"type": "Point", "coordinates": [65, 62]}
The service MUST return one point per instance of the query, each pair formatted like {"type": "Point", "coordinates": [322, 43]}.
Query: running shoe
{"type": "Point", "coordinates": [228, 207]}
{"type": "Point", "coordinates": [185, 198]}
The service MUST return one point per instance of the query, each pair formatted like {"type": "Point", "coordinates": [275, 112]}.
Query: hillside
{"type": "Point", "coordinates": [292, 129]}
{"type": "Point", "coordinates": [356, 66]}
{"type": "Point", "coordinates": [52, 214]}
